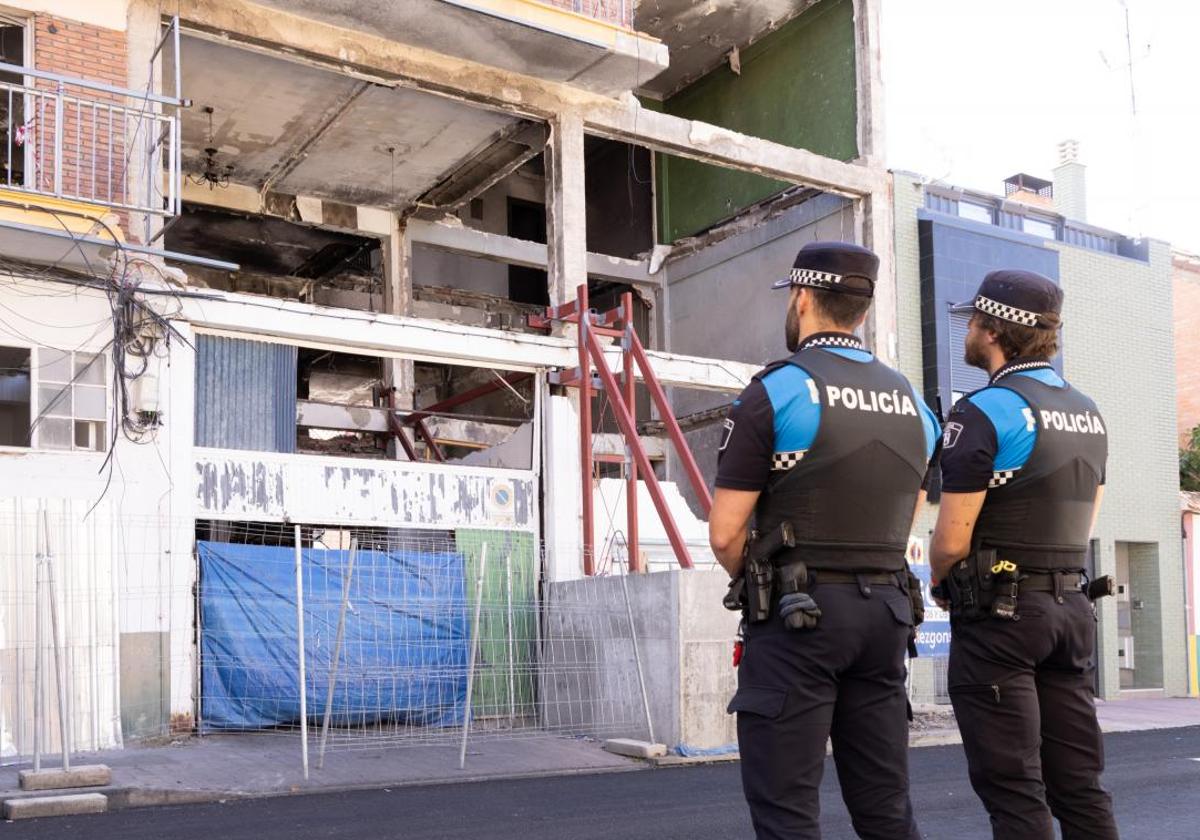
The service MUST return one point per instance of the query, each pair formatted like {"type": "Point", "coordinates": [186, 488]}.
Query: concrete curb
{"type": "Point", "coordinates": [125, 797]}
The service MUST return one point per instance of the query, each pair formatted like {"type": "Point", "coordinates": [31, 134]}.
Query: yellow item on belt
{"type": "Point", "coordinates": [1004, 566]}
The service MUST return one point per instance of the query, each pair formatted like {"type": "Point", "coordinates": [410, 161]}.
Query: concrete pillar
{"type": "Point", "coordinates": [397, 300]}
{"type": "Point", "coordinates": [566, 208]}
{"type": "Point", "coordinates": [562, 493]}
{"type": "Point", "coordinates": [143, 30]}
{"type": "Point", "coordinates": [874, 216]}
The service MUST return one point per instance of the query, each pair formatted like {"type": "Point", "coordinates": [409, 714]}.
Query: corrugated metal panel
{"type": "Point", "coordinates": [963, 378]}
{"type": "Point", "coordinates": [1089, 239]}
{"type": "Point", "coordinates": [245, 394]}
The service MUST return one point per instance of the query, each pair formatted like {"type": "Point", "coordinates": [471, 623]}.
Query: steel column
{"type": "Point", "coordinates": [585, 427]}
{"type": "Point", "coordinates": [631, 470]}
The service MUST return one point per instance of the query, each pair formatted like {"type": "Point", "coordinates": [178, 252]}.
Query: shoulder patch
{"type": "Point", "coordinates": [726, 434]}
{"type": "Point", "coordinates": [951, 434]}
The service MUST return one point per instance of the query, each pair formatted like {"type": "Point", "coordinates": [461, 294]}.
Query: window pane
{"type": "Point", "coordinates": [54, 365]}
{"type": "Point", "coordinates": [14, 396]}
{"type": "Point", "coordinates": [89, 435]}
{"type": "Point", "coordinates": [54, 401]}
{"type": "Point", "coordinates": [1038, 228]}
{"type": "Point", "coordinates": [89, 369]}
{"type": "Point", "coordinates": [54, 434]}
{"type": "Point", "coordinates": [89, 402]}
{"type": "Point", "coordinates": [976, 212]}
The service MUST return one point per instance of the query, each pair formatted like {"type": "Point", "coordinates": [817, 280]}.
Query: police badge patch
{"type": "Point", "coordinates": [951, 434]}
{"type": "Point", "coordinates": [728, 425]}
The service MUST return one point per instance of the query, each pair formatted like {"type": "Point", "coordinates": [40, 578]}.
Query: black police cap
{"type": "Point", "coordinates": [1022, 297]}
{"type": "Point", "coordinates": [834, 267]}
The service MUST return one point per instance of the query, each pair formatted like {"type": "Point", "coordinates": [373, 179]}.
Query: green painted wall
{"type": "Point", "coordinates": [797, 86]}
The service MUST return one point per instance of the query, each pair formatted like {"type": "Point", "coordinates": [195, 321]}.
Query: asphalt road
{"type": "Point", "coordinates": [1155, 777]}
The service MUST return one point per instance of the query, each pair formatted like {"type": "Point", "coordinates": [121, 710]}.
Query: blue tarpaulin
{"type": "Point", "coordinates": [404, 654]}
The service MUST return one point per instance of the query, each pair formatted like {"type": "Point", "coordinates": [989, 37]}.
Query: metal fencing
{"type": "Point", "coordinates": [344, 639]}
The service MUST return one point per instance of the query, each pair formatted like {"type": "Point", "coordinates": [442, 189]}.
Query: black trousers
{"type": "Point", "coordinates": [1022, 693]}
{"type": "Point", "coordinates": [842, 679]}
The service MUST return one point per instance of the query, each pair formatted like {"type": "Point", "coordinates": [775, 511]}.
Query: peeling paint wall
{"type": "Point", "coordinates": [269, 487]}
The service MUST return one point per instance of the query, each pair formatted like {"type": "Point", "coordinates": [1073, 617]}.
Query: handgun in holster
{"type": "Point", "coordinates": [971, 591]}
{"type": "Point", "coordinates": [912, 587]}
{"type": "Point", "coordinates": [753, 595]}
{"type": "Point", "coordinates": [1101, 587]}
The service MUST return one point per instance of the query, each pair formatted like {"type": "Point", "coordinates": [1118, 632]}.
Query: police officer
{"type": "Point", "coordinates": [1023, 465]}
{"type": "Point", "coordinates": [835, 444]}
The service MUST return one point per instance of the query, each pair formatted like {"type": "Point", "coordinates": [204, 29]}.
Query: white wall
{"type": "Point", "coordinates": [146, 489]}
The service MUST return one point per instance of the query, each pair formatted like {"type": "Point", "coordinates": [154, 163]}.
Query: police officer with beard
{"type": "Point", "coordinates": [827, 448]}
{"type": "Point", "coordinates": [1023, 463]}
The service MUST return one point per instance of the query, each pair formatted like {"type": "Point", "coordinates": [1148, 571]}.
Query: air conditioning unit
{"type": "Point", "coordinates": [1125, 652]}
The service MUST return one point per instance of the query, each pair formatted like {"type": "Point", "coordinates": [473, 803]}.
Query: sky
{"type": "Point", "coordinates": [978, 91]}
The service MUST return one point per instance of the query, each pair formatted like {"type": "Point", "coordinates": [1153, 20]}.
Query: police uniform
{"type": "Point", "coordinates": [838, 444]}
{"type": "Point", "coordinates": [1022, 686]}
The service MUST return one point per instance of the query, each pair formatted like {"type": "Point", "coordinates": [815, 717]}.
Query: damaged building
{"type": "Point", "coordinates": [315, 265]}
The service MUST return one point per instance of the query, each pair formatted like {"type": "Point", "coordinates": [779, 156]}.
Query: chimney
{"type": "Point", "coordinates": [1070, 186]}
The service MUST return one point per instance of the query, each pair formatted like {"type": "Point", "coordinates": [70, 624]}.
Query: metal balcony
{"type": "Point", "coordinates": [80, 140]}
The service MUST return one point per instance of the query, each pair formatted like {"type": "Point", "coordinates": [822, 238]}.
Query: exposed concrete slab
{"type": "Point", "coordinates": [700, 36]}
{"type": "Point", "coordinates": [634, 749]}
{"type": "Point", "coordinates": [87, 775]}
{"type": "Point", "coordinates": [524, 37]}
{"type": "Point", "coordinates": [73, 804]}
{"type": "Point", "coordinates": [371, 56]}
{"type": "Point", "coordinates": [316, 132]}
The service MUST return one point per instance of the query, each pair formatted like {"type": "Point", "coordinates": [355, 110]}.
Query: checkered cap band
{"type": "Point", "coordinates": [835, 341]}
{"type": "Point", "coordinates": [1002, 477]}
{"type": "Point", "coordinates": [811, 277]}
{"type": "Point", "coordinates": [787, 460]}
{"type": "Point", "coordinates": [1006, 312]}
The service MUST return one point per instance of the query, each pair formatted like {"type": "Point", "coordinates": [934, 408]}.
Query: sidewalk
{"type": "Point", "coordinates": [218, 767]}
{"type": "Point", "coordinates": [934, 725]}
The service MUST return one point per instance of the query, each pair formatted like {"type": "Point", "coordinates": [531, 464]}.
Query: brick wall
{"type": "Point", "coordinates": [94, 147]}
{"type": "Point", "coordinates": [1186, 282]}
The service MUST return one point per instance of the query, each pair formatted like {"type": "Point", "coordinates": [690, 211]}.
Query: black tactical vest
{"type": "Point", "coordinates": [1040, 516]}
{"type": "Point", "coordinates": [850, 497]}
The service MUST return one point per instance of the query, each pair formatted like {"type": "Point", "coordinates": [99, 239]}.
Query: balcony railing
{"type": "Point", "coordinates": [81, 140]}
{"type": "Point", "coordinates": [619, 12]}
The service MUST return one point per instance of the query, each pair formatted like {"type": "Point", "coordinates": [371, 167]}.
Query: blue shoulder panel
{"type": "Point", "coordinates": [797, 406]}
{"type": "Point", "coordinates": [933, 426]}
{"type": "Point", "coordinates": [1016, 430]}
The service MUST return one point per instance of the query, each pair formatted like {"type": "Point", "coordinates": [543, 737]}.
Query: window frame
{"type": "Point", "coordinates": [9, 341]}
{"type": "Point", "coordinates": [36, 383]}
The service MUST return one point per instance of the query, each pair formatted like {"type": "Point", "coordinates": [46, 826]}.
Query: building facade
{"type": "Point", "coordinates": [268, 272]}
{"type": "Point", "coordinates": [1117, 346]}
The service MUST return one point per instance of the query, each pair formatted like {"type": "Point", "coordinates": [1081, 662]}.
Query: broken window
{"type": "Point", "coordinates": [14, 396]}
{"type": "Point", "coordinates": [255, 395]}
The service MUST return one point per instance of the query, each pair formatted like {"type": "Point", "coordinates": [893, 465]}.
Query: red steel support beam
{"type": "Point", "coordinates": [464, 397]}
{"type": "Point", "coordinates": [585, 429]}
{"type": "Point", "coordinates": [628, 428]}
{"type": "Point", "coordinates": [664, 408]}
{"type": "Point", "coordinates": [630, 394]}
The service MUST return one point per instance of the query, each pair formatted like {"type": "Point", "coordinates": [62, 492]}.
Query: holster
{"type": "Point", "coordinates": [760, 574]}
{"type": "Point", "coordinates": [912, 586]}
{"type": "Point", "coordinates": [972, 586]}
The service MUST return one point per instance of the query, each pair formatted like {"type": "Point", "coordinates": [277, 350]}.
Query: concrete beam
{"type": "Point", "coordinates": [367, 56]}
{"type": "Point", "coordinates": [511, 251]}
{"type": "Point", "coordinates": [457, 239]}
{"type": "Point", "coordinates": [345, 330]}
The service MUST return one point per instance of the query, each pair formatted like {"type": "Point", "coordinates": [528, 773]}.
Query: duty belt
{"type": "Point", "coordinates": [1051, 581]}
{"type": "Point", "coordinates": [839, 576]}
